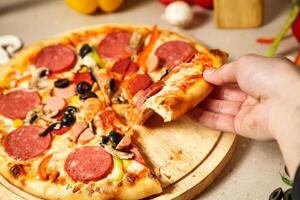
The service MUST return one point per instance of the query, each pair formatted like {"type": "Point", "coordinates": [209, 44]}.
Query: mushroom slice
{"type": "Point", "coordinates": [120, 154]}
{"type": "Point", "coordinates": [4, 56]}
{"type": "Point", "coordinates": [38, 80]}
{"type": "Point", "coordinates": [136, 40]}
{"type": "Point", "coordinates": [11, 43]}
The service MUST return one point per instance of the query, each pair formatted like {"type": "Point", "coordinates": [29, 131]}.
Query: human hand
{"type": "Point", "coordinates": [262, 102]}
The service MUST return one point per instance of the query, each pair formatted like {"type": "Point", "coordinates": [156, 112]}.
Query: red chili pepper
{"type": "Point", "coordinates": [296, 28]}
{"type": "Point", "coordinates": [60, 131]}
{"type": "Point", "coordinates": [265, 40]}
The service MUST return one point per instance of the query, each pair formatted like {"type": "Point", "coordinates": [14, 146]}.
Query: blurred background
{"type": "Point", "coordinates": [33, 20]}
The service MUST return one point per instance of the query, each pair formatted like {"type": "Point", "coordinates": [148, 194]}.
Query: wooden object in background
{"type": "Point", "coordinates": [238, 13]}
{"type": "Point", "coordinates": [187, 156]}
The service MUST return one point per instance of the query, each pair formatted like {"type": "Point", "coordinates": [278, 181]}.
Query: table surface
{"type": "Point", "coordinates": [253, 173]}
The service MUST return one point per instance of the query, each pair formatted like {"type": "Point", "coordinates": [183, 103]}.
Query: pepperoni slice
{"type": "Point", "coordinates": [116, 45]}
{"type": "Point", "coordinates": [139, 82]}
{"type": "Point", "coordinates": [125, 66]}
{"type": "Point", "coordinates": [133, 67]}
{"type": "Point", "coordinates": [84, 76]}
{"type": "Point", "coordinates": [173, 53]}
{"type": "Point", "coordinates": [25, 143]}
{"type": "Point", "coordinates": [16, 104]}
{"type": "Point", "coordinates": [89, 163]}
{"type": "Point", "coordinates": [57, 58]}
{"type": "Point", "coordinates": [121, 66]}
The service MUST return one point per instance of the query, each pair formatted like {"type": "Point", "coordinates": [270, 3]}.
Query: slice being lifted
{"type": "Point", "coordinates": [68, 106]}
{"type": "Point", "coordinates": [181, 88]}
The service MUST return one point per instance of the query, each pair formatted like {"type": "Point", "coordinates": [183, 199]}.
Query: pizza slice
{"type": "Point", "coordinates": [177, 65]}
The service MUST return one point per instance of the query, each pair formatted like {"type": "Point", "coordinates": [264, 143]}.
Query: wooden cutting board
{"type": "Point", "coordinates": [187, 156]}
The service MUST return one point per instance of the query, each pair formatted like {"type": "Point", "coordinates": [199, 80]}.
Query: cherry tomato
{"type": "Point", "coordinates": [296, 28]}
{"type": "Point", "coordinates": [166, 2]}
{"type": "Point", "coordinates": [205, 3]}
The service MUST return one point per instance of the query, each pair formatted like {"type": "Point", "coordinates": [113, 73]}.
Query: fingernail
{"type": "Point", "coordinates": [209, 72]}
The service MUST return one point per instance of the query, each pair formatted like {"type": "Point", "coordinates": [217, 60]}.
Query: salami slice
{"type": "Point", "coordinates": [16, 104]}
{"type": "Point", "coordinates": [173, 53]}
{"type": "Point", "coordinates": [125, 66]}
{"type": "Point", "coordinates": [25, 143]}
{"type": "Point", "coordinates": [116, 45]}
{"type": "Point", "coordinates": [139, 82]}
{"type": "Point", "coordinates": [57, 58]}
{"type": "Point", "coordinates": [89, 163]}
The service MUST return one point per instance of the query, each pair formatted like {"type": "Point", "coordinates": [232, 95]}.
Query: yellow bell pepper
{"type": "Point", "coordinates": [17, 123]}
{"type": "Point", "coordinates": [119, 166]}
{"type": "Point", "coordinates": [109, 5]}
{"type": "Point", "coordinates": [83, 6]}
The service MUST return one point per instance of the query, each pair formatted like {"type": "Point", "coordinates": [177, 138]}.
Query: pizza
{"type": "Point", "coordinates": [68, 107]}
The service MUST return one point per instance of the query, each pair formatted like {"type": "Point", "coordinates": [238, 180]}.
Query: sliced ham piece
{"type": "Point", "coordinates": [54, 104]}
{"type": "Point", "coordinates": [124, 143]}
{"type": "Point", "coordinates": [65, 93]}
{"type": "Point", "coordinates": [86, 136]}
{"type": "Point", "coordinates": [76, 130]}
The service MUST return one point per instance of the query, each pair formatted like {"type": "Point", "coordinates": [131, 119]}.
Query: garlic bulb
{"type": "Point", "coordinates": [179, 13]}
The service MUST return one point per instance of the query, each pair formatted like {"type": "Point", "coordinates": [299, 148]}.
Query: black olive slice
{"type": "Point", "coordinates": [83, 87]}
{"type": "Point", "coordinates": [276, 194]}
{"type": "Point", "coordinates": [62, 83]}
{"type": "Point", "coordinates": [84, 50]}
{"type": "Point", "coordinates": [88, 95]}
{"type": "Point", "coordinates": [115, 137]}
{"type": "Point", "coordinates": [68, 120]}
{"type": "Point", "coordinates": [70, 110]}
{"type": "Point", "coordinates": [48, 130]}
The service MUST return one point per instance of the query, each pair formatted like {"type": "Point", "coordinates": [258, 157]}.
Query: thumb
{"type": "Point", "coordinates": [223, 75]}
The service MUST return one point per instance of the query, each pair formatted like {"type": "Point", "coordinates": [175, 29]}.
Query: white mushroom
{"type": "Point", "coordinates": [179, 13]}
{"type": "Point", "coordinates": [4, 57]}
{"type": "Point", "coordinates": [120, 154]}
{"type": "Point", "coordinates": [9, 44]}
{"type": "Point", "coordinates": [136, 40]}
{"type": "Point", "coordinates": [38, 80]}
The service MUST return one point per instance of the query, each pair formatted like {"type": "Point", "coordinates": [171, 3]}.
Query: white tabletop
{"type": "Point", "coordinates": [254, 170]}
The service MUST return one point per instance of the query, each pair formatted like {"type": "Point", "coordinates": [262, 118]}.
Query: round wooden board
{"type": "Point", "coordinates": [186, 155]}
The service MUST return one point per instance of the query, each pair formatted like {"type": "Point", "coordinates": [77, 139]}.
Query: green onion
{"type": "Point", "coordinates": [286, 180]}
{"type": "Point", "coordinates": [286, 26]}
{"type": "Point", "coordinates": [96, 57]}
